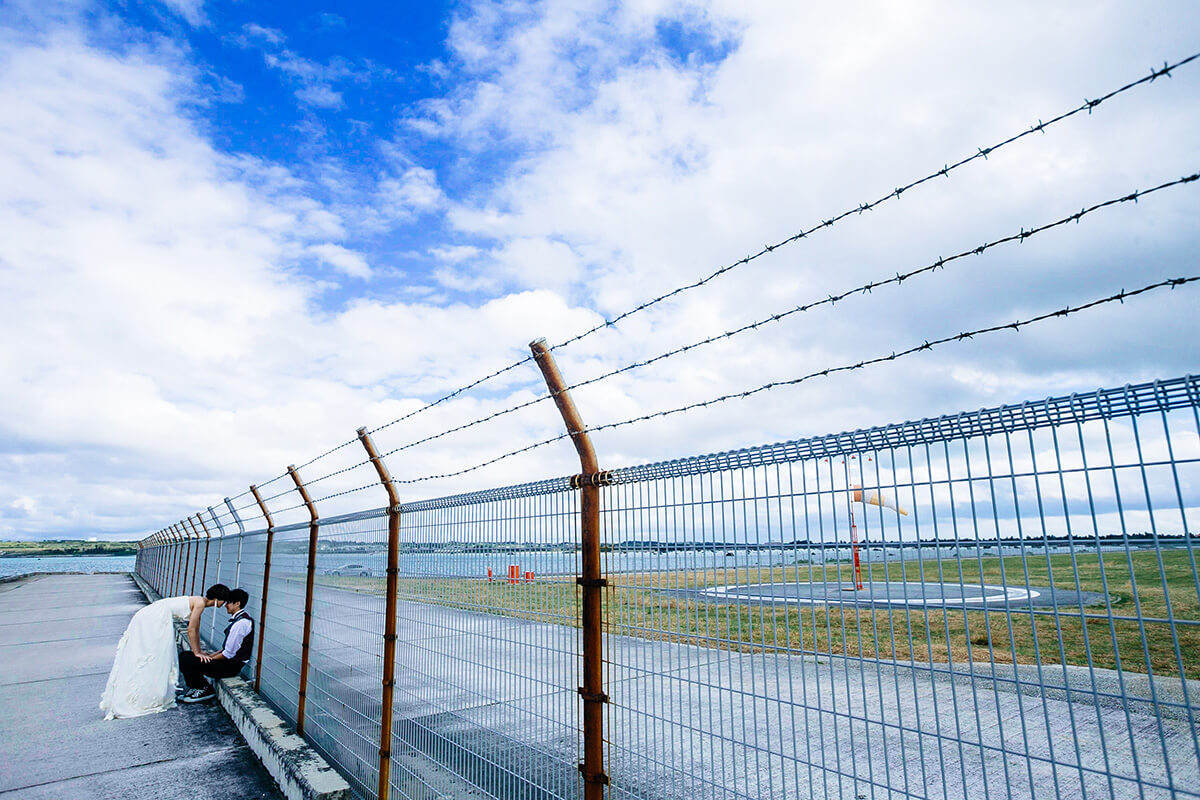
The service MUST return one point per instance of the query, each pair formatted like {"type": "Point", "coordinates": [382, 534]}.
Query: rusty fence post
{"type": "Point", "coordinates": [196, 562]}
{"type": "Point", "coordinates": [237, 568]}
{"type": "Point", "coordinates": [212, 633]}
{"type": "Point", "coordinates": [177, 567]}
{"type": "Point", "coordinates": [589, 483]}
{"type": "Point", "coordinates": [313, 527]}
{"type": "Point", "coordinates": [207, 539]}
{"type": "Point", "coordinates": [389, 625]}
{"type": "Point", "coordinates": [168, 561]}
{"type": "Point", "coordinates": [153, 579]}
{"type": "Point", "coordinates": [187, 558]}
{"type": "Point", "coordinates": [160, 562]}
{"type": "Point", "coordinates": [262, 616]}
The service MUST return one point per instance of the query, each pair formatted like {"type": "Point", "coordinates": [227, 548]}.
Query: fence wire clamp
{"type": "Point", "coordinates": [602, 478]}
{"type": "Point", "coordinates": [586, 582]}
{"type": "Point", "coordinates": [592, 697]}
{"type": "Point", "coordinates": [598, 777]}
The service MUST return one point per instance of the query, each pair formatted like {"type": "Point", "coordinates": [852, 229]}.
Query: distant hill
{"type": "Point", "coordinates": [66, 547]}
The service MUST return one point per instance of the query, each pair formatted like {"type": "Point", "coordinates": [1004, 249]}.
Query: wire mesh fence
{"type": "Point", "coordinates": [1013, 620]}
{"type": "Point", "coordinates": [1003, 603]}
{"type": "Point", "coordinates": [346, 667]}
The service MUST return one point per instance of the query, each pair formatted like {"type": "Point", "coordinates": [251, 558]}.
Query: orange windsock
{"type": "Point", "coordinates": [875, 499]}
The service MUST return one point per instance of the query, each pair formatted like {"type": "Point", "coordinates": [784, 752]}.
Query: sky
{"type": "Point", "coordinates": [232, 232]}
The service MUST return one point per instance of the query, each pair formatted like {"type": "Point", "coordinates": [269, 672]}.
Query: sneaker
{"type": "Point", "coordinates": [197, 695]}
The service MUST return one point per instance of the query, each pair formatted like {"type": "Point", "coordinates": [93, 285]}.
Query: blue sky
{"type": "Point", "coordinates": [232, 232]}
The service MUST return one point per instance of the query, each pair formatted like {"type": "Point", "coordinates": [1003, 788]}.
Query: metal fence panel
{"type": "Point", "coordinates": [487, 665]}
{"type": "Point", "coordinates": [1026, 628]}
{"type": "Point", "coordinates": [284, 621]}
{"type": "Point", "coordinates": [346, 649]}
{"type": "Point", "coordinates": [254, 550]}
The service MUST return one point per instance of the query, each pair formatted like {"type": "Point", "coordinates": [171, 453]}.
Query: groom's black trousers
{"type": "Point", "coordinates": [194, 670]}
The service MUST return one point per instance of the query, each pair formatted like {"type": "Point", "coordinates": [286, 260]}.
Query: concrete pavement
{"type": "Point", "coordinates": [58, 634]}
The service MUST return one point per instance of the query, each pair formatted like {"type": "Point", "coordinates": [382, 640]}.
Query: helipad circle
{"type": "Point", "coordinates": [881, 593]}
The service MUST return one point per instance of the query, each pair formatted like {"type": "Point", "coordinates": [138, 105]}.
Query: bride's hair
{"type": "Point", "coordinates": [218, 591]}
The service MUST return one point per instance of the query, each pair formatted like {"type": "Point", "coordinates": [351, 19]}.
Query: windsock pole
{"type": "Point", "coordinates": [854, 550]}
{"type": "Point", "coordinates": [871, 499]}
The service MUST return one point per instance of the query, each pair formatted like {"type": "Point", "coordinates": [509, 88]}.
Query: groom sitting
{"type": "Point", "coordinates": [223, 663]}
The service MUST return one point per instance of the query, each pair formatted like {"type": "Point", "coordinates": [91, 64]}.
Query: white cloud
{"type": "Point", "coordinates": [170, 352]}
{"type": "Point", "coordinates": [455, 254]}
{"type": "Point", "coordinates": [315, 80]}
{"type": "Point", "coordinates": [173, 352]}
{"type": "Point", "coordinates": [341, 259]}
{"type": "Point", "coordinates": [656, 170]}
{"type": "Point", "coordinates": [319, 95]}
{"type": "Point", "coordinates": [415, 191]}
{"type": "Point", "coordinates": [24, 505]}
{"type": "Point", "coordinates": [190, 10]}
{"type": "Point", "coordinates": [253, 31]}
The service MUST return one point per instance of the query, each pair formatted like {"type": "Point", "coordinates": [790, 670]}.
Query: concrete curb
{"type": "Point", "coordinates": [300, 772]}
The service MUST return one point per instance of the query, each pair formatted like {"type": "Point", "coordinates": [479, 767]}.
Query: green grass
{"type": "Point", "coordinates": [643, 605]}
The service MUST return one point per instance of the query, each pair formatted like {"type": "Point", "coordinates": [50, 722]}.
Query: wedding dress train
{"type": "Point", "coordinates": [146, 666]}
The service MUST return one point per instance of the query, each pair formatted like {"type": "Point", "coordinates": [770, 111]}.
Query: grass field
{"type": "Point", "coordinates": [1132, 630]}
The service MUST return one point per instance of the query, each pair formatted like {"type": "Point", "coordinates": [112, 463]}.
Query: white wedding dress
{"type": "Point", "coordinates": [146, 666]}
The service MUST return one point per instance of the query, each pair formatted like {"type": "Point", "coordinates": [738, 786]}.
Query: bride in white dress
{"type": "Point", "coordinates": [146, 666]}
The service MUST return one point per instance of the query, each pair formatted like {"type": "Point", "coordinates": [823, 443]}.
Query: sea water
{"type": "Point", "coordinates": [21, 565]}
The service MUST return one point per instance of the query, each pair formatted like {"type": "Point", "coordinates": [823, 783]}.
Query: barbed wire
{"type": "Point", "coordinates": [455, 393]}
{"type": "Point", "coordinates": [264, 485]}
{"type": "Point", "coordinates": [331, 496]}
{"type": "Point", "coordinates": [981, 152]}
{"type": "Point", "coordinates": [481, 465]}
{"type": "Point", "coordinates": [288, 490]}
{"type": "Point", "coordinates": [866, 288]}
{"type": "Point", "coordinates": [338, 472]}
{"type": "Point", "coordinates": [328, 452]}
{"type": "Point", "coordinates": [248, 505]}
{"type": "Point", "coordinates": [466, 425]}
{"type": "Point", "coordinates": [1066, 311]}
{"type": "Point", "coordinates": [420, 410]}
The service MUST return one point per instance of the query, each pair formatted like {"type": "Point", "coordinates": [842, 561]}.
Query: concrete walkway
{"type": "Point", "coordinates": [58, 634]}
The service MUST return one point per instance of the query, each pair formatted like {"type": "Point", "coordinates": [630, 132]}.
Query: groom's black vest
{"type": "Point", "coordinates": [243, 653]}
